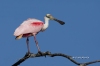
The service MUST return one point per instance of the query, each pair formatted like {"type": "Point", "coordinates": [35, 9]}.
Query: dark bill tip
{"type": "Point", "coordinates": [59, 21]}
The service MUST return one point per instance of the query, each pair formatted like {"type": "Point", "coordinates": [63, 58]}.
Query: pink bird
{"type": "Point", "coordinates": [31, 27]}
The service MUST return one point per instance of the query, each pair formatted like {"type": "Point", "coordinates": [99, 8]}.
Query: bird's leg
{"type": "Point", "coordinates": [27, 42]}
{"type": "Point", "coordinates": [37, 45]}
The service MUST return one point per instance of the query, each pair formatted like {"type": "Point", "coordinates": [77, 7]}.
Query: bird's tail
{"type": "Point", "coordinates": [18, 37]}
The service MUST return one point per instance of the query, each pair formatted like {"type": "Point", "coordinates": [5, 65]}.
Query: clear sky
{"type": "Point", "coordinates": [80, 36]}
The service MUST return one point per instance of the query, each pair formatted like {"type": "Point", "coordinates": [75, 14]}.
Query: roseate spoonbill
{"type": "Point", "coordinates": [32, 26]}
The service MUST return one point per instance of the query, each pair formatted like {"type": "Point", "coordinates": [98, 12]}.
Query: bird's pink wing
{"type": "Point", "coordinates": [29, 26]}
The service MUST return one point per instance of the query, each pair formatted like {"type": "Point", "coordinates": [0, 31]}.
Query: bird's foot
{"type": "Point", "coordinates": [41, 53]}
{"type": "Point", "coordinates": [29, 52]}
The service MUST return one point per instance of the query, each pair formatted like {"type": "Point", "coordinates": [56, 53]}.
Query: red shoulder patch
{"type": "Point", "coordinates": [37, 23]}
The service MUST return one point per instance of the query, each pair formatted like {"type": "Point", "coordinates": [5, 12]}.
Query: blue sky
{"type": "Point", "coordinates": [80, 36]}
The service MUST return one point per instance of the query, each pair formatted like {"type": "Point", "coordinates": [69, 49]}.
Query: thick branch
{"type": "Point", "coordinates": [22, 59]}
{"type": "Point", "coordinates": [32, 55]}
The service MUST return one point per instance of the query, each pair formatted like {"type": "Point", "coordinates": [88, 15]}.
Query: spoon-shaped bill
{"type": "Point", "coordinates": [59, 21]}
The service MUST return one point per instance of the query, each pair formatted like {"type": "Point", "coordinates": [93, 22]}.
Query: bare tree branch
{"type": "Point", "coordinates": [22, 59]}
{"type": "Point", "coordinates": [32, 55]}
{"type": "Point", "coordinates": [92, 62]}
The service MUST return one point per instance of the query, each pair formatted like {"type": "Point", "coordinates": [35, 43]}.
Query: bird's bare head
{"type": "Point", "coordinates": [52, 18]}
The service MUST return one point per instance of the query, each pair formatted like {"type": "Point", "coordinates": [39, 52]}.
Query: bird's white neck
{"type": "Point", "coordinates": [46, 23]}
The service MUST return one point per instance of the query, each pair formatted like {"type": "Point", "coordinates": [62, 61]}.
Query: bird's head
{"type": "Point", "coordinates": [52, 18]}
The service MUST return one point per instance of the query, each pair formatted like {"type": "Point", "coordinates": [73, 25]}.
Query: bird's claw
{"type": "Point", "coordinates": [41, 53]}
{"type": "Point", "coordinates": [28, 54]}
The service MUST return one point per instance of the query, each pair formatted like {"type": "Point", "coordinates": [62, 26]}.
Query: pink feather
{"type": "Point", "coordinates": [29, 26]}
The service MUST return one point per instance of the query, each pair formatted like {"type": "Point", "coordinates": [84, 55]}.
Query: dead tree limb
{"type": "Point", "coordinates": [32, 55]}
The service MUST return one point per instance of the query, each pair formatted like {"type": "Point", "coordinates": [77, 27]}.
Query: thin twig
{"type": "Point", "coordinates": [92, 62]}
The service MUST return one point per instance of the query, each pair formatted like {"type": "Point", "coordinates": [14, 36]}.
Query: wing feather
{"type": "Point", "coordinates": [27, 27]}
